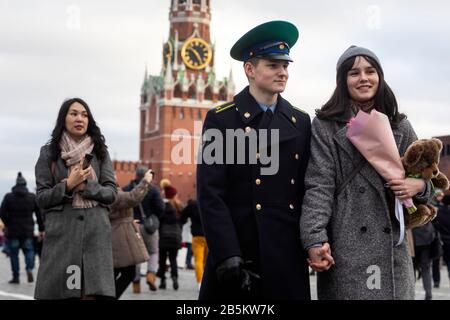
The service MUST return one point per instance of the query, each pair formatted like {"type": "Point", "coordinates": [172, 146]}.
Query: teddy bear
{"type": "Point", "coordinates": [421, 160]}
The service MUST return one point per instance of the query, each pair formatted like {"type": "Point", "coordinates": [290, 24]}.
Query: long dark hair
{"type": "Point", "coordinates": [338, 107]}
{"type": "Point", "coordinates": [100, 148]}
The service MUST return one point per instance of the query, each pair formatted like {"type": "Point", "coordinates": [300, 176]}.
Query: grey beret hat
{"type": "Point", "coordinates": [354, 51]}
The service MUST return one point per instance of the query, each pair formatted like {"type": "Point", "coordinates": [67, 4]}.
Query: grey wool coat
{"type": "Point", "coordinates": [358, 224]}
{"type": "Point", "coordinates": [77, 241]}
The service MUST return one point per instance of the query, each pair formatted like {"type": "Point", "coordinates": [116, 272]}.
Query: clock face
{"type": "Point", "coordinates": [168, 52]}
{"type": "Point", "coordinates": [196, 53]}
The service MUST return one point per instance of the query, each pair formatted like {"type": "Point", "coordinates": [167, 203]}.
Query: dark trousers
{"type": "Point", "coordinates": [437, 271]}
{"type": "Point", "coordinates": [163, 254]}
{"type": "Point", "coordinates": [189, 254]}
{"type": "Point", "coordinates": [123, 277]}
{"type": "Point", "coordinates": [424, 263]}
{"type": "Point", "coordinates": [26, 245]}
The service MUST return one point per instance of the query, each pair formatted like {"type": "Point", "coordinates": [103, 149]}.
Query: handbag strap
{"type": "Point", "coordinates": [143, 216]}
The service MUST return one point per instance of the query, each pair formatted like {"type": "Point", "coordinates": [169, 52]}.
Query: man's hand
{"type": "Point", "coordinates": [232, 273]}
{"type": "Point", "coordinates": [320, 258]}
{"type": "Point", "coordinates": [229, 271]}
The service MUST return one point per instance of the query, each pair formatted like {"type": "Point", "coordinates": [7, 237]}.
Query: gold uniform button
{"type": "Point", "coordinates": [248, 129]}
{"type": "Point", "coordinates": [258, 207]}
{"type": "Point", "coordinates": [294, 120]}
{"type": "Point", "coordinates": [292, 181]}
{"type": "Point", "coordinates": [291, 206]}
{"type": "Point", "coordinates": [247, 115]}
{"type": "Point", "coordinates": [297, 156]}
{"type": "Point", "coordinates": [258, 181]}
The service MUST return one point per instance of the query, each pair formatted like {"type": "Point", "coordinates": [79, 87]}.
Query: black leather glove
{"type": "Point", "coordinates": [232, 273]}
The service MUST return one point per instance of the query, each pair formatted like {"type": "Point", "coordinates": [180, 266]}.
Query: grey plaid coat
{"type": "Point", "coordinates": [358, 224]}
{"type": "Point", "coordinates": [75, 239]}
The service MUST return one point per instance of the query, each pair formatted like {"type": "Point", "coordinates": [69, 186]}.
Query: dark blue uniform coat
{"type": "Point", "coordinates": [256, 216]}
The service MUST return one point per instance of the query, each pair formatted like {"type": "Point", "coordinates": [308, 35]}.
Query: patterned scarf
{"type": "Point", "coordinates": [364, 106]}
{"type": "Point", "coordinates": [72, 152]}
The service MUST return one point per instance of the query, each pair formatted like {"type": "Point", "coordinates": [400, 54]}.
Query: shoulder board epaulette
{"type": "Point", "coordinates": [302, 111]}
{"type": "Point", "coordinates": [224, 107]}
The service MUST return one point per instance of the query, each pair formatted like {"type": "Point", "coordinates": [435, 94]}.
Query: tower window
{"type": "Point", "coordinates": [151, 153]}
{"type": "Point", "coordinates": [199, 115]}
{"type": "Point", "coordinates": [181, 114]}
{"type": "Point", "coordinates": [448, 149]}
{"type": "Point", "coordinates": [196, 1]}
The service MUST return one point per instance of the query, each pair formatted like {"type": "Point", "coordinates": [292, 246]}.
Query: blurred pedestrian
{"type": "Point", "coordinates": [169, 234]}
{"type": "Point", "coordinates": [151, 207]}
{"type": "Point", "coordinates": [75, 194]}
{"type": "Point", "coordinates": [17, 214]}
{"type": "Point", "coordinates": [443, 226]}
{"type": "Point", "coordinates": [127, 244]}
{"type": "Point", "coordinates": [186, 242]}
{"type": "Point", "coordinates": [436, 264]}
{"type": "Point", "coordinates": [423, 239]}
{"type": "Point", "coordinates": [199, 245]}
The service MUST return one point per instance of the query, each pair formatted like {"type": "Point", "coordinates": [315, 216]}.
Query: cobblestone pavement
{"type": "Point", "coordinates": [188, 287]}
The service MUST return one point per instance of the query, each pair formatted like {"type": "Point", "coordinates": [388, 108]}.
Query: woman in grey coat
{"type": "Point", "coordinates": [349, 229]}
{"type": "Point", "coordinates": [74, 196]}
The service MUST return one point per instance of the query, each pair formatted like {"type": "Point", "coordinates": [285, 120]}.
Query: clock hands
{"type": "Point", "coordinates": [197, 55]}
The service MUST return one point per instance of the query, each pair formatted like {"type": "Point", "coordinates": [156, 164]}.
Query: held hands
{"type": "Point", "coordinates": [77, 177]}
{"type": "Point", "coordinates": [320, 258]}
{"type": "Point", "coordinates": [406, 188]}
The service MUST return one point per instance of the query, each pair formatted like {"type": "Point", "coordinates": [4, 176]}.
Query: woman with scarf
{"type": "Point", "coordinates": [348, 224]}
{"type": "Point", "coordinates": [75, 196]}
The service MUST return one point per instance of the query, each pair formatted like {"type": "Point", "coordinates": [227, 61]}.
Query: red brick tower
{"type": "Point", "coordinates": [174, 103]}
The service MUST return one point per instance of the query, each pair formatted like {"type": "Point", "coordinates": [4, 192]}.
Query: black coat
{"type": "Point", "coordinates": [17, 213]}
{"type": "Point", "coordinates": [256, 216]}
{"type": "Point", "coordinates": [442, 224]}
{"type": "Point", "coordinates": [151, 204]}
{"type": "Point", "coordinates": [169, 228]}
{"type": "Point", "coordinates": [424, 235]}
{"type": "Point", "coordinates": [192, 211]}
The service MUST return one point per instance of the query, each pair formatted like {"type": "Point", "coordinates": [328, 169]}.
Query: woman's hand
{"type": "Point", "coordinates": [77, 176]}
{"type": "Point", "coordinates": [148, 176]}
{"type": "Point", "coordinates": [406, 188]}
{"type": "Point", "coordinates": [320, 258]}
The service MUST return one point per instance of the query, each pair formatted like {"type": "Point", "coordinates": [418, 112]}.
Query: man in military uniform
{"type": "Point", "coordinates": [251, 216]}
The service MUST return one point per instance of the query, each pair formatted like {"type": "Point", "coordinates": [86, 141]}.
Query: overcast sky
{"type": "Point", "coordinates": [54, 49]}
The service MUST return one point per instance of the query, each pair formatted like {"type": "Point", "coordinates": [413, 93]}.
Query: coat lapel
{"type": "Point", "coordinates": [344, 144]}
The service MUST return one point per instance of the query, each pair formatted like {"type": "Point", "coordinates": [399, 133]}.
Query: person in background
{"type": "Point", "coordinates": [127, 244]}
{"type": "Point", "coordinates": [169, 234]}
{"type": "Point", "coordinates": [436, 264]}
{"type": "Point", "coordinates": [16, 213]}
{"type": "Point", "coordinates": [442, 224]}
{"type": "Point", "coordinates": [186, 238]}
{"type": "Point", "coordinates": [199, 245]}
{"type": "Point", "coordinates": [152, 204]}
{"type": "Point", "coordinates": [423, 239]}
{"type": "Point", "coordinates": [75, 188]}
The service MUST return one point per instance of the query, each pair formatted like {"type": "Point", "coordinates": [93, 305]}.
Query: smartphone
{"type": "Point", "coordinates": [87, 160]}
